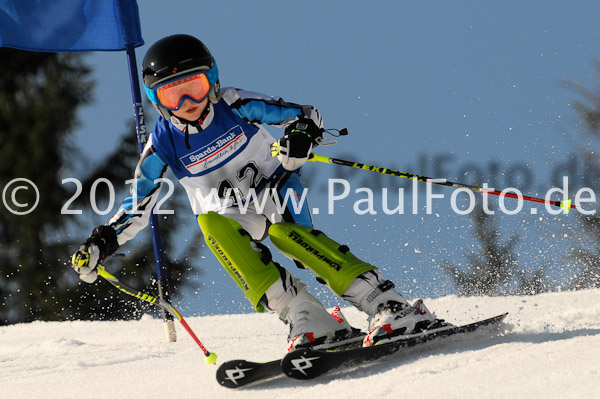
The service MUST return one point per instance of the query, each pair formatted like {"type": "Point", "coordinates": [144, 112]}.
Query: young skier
{"type": "Point", "coordinates": [213, 140]}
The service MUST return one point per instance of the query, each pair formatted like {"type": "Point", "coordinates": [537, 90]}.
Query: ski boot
{"type": "Point", "coordinates": [390, 314]}
{"type": "Point", "coordinates": [394, 318]}
{"type": "Point", "coordinates": [312, 326]}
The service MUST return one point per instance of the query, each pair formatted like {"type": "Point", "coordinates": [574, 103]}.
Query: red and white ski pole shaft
{"type": "Point", "coordinates": [565, 205]}
{"type": "Point", "coordinates": [210, 357]}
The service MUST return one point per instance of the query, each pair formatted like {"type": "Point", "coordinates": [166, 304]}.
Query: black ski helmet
{"type": "Point", "coordinates": [178, 55]}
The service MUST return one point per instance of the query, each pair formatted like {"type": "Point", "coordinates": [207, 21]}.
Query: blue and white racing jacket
{"type": "Point", "coordinates": [230, 151]}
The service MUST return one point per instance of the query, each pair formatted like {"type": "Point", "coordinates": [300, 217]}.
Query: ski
{"type": "Point", "coordinates": [306, 364]}
{"type": "Point", "coordinates": [238, 373]}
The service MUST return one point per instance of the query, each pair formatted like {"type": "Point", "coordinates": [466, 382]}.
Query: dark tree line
{"type": "Point", "coordinates": [40, 94]}
{"type": "Point", "coordinates": [495, 269]}
{"type": "Point", "coordinates": [585, 259]}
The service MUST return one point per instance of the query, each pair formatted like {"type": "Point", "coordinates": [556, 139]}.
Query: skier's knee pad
{"type": "Point", "coordinates": [333, 263]}
{"type": "Point", "coordinates": [253, 271]}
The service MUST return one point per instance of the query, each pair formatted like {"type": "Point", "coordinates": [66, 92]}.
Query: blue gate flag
{"type": "Point", "coordinates": [70, 25]}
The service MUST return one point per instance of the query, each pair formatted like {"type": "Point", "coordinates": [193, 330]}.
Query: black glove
{"type": "Point", "coordinates": [300, 138]}
{"type": "Point", "coordinates": [102, 243]}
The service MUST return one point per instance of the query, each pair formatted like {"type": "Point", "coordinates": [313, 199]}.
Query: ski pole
{"type": "Point", "coordinates": [162, 282]}
{"type": "Point", "coordinates": [210, 357]}
{"type": "Point", "coordinates": [565, 205]}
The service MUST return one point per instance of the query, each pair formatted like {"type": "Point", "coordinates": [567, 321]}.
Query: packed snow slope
{"type": "Point", "coordinates": [548, 347]}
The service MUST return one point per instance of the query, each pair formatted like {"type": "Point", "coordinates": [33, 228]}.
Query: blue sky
{"type": "Point", "coordinates": [447, 89]}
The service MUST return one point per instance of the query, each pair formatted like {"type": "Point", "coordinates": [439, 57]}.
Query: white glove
{"type": "Point", "coordinates": [294, 150]}
{"type": "Point", "coordinates": [102, 243]}
{"type": "Point", "coordinates": [85, 261]}
{"type": "Point", "coordinates": [300, 138]}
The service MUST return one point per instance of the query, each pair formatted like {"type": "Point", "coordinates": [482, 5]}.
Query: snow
{"type": "Point", "coordinates": [548, 347]}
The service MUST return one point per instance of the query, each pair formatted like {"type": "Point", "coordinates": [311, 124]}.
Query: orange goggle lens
{"type": "Point", "coordinates": [195, 87]}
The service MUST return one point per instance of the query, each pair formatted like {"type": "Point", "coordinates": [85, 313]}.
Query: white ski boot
{"type": "Point", "coordinates": [390, 314]}
{"type": "Point", "coordinates": [311, 324]}
{"type": "Point", "coordinates": [399, 318]}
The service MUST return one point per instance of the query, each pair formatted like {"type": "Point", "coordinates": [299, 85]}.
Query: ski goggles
{"type": "Point", "coordinates": [194, 86]}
